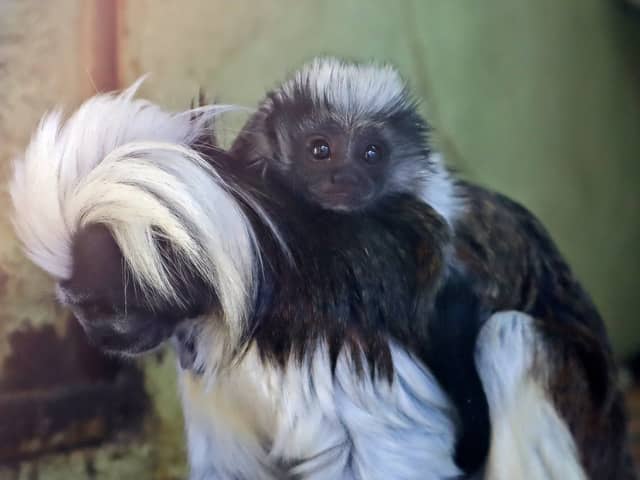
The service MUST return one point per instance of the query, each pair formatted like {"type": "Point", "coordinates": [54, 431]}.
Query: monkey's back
{"type": "Point", "coordinates": [515, 265]}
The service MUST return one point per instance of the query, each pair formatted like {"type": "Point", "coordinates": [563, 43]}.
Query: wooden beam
{"type": "Point", "coordinates": [101, 21]}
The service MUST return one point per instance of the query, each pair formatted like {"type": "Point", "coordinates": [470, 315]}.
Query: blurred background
{"type": "Point", "coordinates": [539, 100]}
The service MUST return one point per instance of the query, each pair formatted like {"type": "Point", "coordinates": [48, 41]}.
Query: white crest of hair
{"type": "Point", "coordinates": [529, 440]}
{"type": "Point", "coordinates": [352, 89]}
{"type": "Point", "coordinates": [257, 420]}
{"type": "Point", "coordinates": [127, 164]}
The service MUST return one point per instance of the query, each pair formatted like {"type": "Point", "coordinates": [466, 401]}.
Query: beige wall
{"type": "Point", "coordinates": [38, 69]}
{"type": "Point", "coordinates": [44, 62]}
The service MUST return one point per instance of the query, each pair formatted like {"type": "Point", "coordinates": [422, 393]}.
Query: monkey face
{"type": "Point", "coordinates": [341, 135]}
{"type": "Point", "coordinates": [128, 331]}
{"type": "Point", "coordinates": [337, 168]}
{"type": "Point", "coordinates": [101, 293]}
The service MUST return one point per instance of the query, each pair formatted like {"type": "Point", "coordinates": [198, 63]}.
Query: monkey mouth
{"type": "Point", "coordinates": [342, 200]}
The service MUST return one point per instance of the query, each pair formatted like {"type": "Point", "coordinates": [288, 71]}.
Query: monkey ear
{"type": "Point", "coordinates": [257, 141]}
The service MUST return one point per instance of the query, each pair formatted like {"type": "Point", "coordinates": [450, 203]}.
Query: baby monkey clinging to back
{"type": "Point", "coordinates": [343, 136]}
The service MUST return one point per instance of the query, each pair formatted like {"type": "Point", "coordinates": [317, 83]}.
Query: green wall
{"type": "Point", "coordinates": [541, 100]}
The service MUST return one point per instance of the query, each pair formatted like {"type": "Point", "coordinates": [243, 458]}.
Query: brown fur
{"type": "Point", "coordinates": [516, 266]}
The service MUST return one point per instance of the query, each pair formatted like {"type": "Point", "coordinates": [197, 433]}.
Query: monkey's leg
{"type": "Point", "coordinates": [529, 440]}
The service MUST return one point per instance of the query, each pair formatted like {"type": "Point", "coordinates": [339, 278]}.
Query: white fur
{"type": "Point", "coordinates": [126, 163]}
{"type": "Point", "coordinates": [255, 421]}
{"type": "Point", "coordinates": [529, 440]}
{"type": "Point", "coordinates": [353, 90]}
{"type": "Point", "coordinates": [438, 189]}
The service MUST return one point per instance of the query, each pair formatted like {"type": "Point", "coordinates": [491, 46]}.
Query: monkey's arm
{"type": "Point", "coordinates": [453, 332]}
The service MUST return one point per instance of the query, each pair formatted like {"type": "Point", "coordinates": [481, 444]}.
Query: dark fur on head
{"type": "Point", "coordinates": [363, 115]}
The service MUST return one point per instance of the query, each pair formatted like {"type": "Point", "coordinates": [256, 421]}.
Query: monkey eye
{"type": "Point", "coordinates": [372, 154]}
{"type": "Point", "coordinates": [320, 149]}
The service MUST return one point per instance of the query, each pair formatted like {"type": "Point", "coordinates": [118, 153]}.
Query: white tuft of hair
{"type": "Point", "coordinates": [352, 89]}
{"type": "Point", "coordinates": [439, 190]}
{"type": "Point", "coordinates": [127, 164]}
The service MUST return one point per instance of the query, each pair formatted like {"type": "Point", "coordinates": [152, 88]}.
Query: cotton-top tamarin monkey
{"type": "Point", "coordinates": [307, 335]}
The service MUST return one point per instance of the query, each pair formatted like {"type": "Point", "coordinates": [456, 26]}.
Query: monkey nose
{"type": "Point", "coordinates": [344, 178]}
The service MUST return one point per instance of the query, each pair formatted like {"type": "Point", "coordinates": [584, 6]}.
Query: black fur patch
{"type": "Point", "coordinates": [356, 280]}
{"type": "Point", "coordinates": [453, 331]}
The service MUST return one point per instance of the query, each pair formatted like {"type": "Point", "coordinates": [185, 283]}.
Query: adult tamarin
{"type": "Point", "coordinates": [347, 136]}
{"type": "Point", "coordinates": [303, 338]}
